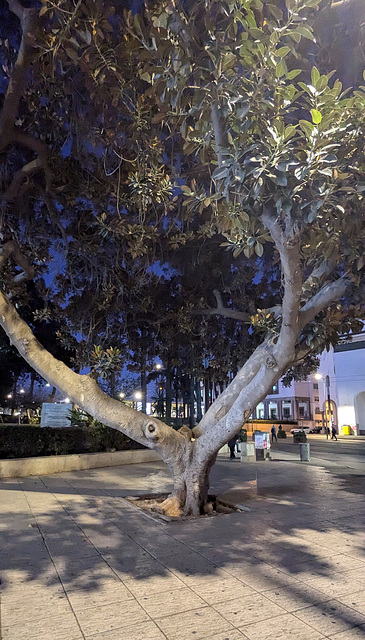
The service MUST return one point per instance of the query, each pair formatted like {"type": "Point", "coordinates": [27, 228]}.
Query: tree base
{"type": "Point", "coordinates": [165, 507]}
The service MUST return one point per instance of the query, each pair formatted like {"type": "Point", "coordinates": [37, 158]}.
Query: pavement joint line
{"type": "Point", "coordinates": [51, 559]}
{"type": "Point", "coordinates": [100, 554]}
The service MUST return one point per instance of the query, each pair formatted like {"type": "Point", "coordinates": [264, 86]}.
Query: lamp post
{"type": "Point", "coordinates": [327, 412]}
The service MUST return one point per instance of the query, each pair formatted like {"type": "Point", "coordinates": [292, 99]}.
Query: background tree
{"type": "Point", "coordinates": [140, 134]}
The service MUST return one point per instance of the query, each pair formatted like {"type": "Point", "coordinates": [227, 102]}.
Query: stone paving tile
{"type": "Point", "coordinates": [357, 574]}
{"type": "Point", "coordinates": [194, 624]}
{"type": "Point", "coordinates": [334, 584]}
{"type": "Point", "coordinates": [281, 628]}
{"type": "Point", "coordinates": [354, 600]}
{"type": "Point", "coordinates": [62, 627]}
{"type": "Point", "coordinates": [171, 602]}
{"type": "Point", "coordinates": [32, 609]}
{"type": "Point", "coordinates": [262, 577]}
{"type": "Point", "coordinates": [112, 590]}
{"type": "Point", "coordinates": [299, 597]}
{"type": "Point", "coordinates": [227, 635]}
{"type": "Point", "coordinates": [218, 588]}
{"type": "Point", "coordinates": [355, 633]}
{"type": "Point", "coordinates": [254, 609]}
{"type": "Point", "coordinates": [153, 584]}
{"type": "Point", "coordinates": [330, 617]}
{"type": "Point", "coordinates": [37, 590]}
{"type": "Point", "coordinates": [141, 631]}
{"type": "Point", "coordinates": [107, 617]}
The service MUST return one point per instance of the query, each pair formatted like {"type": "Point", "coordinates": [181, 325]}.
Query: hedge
{"type": "Point", "coordinates": [26, 441]}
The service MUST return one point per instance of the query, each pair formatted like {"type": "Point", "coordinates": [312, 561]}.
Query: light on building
{"type": "Point", "coordinates": [47, 384]}
{"type": "Point", "coordinates": [67, 400]}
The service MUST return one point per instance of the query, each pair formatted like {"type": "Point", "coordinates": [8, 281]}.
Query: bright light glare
{"type": "Point", "coordinates": [47, 384]}
{"type": "Point", "coordinates": [158, 366]}
{"type": "Point", "coordinates": [122, 395]}
{"type": "Point", "coordinates": [22, 391]}
{"type": "Point", "coordinates": [318, 376]}
{"type": "Point", "coordinates": [67, 400]}
{"type": "Point", "coordinates": [138, 395]}
{"type": "Point", "coordinates": [9, 395]}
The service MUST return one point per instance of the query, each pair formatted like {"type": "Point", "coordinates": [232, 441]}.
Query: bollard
{"type": "Point", "coordinates": [304, 451]}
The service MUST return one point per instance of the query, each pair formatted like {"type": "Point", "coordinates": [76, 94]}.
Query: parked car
{"type": "Point", "coordinates": [306, 430]}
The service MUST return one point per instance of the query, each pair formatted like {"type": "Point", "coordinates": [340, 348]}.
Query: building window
{"type": "Point", "coordinates": [301, 412]}
{"type": "Point", "coordinates": [315, 385]}
{"type": "Point", "coordinates": [318, 410]}
{"type": "Point", "coordinates": [316, 398]}
{"type": "Point", "coordinates": [286, 412]}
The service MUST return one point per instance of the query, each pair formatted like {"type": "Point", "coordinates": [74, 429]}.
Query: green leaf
{"type": "Point", "coordinates": [275, 11]}
{"type": "Point", "coordinates": [293, 74]}
{"type": "Point", "coordinates": [282, 52]}
{"type": "Point", "coordinates": [316, 116]}
{"type": "Point", "coordinates": [305, 32]}
{"type": "Point", "coordinates": [186, 190]}
{"type": "Point", "coordinates": [281, 69]}
{"type": "Point", "coordinates": [306, 127]}
{"type": "Point", "coordinates": [259, 249]}
{"type": "Point", "coordinates": [257, 34]}
{"type": "Point", "coordinates": [315, 76]}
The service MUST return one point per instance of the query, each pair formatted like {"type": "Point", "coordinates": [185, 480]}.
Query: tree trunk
{"type": "Point", "coordinates": [191, 483]}
{"type": "Point", "coordinates": [168, 395]}
{"type": "Point", "coordinates": [191, 402]}
{"type": "Point", "coordinates": [144, 390]}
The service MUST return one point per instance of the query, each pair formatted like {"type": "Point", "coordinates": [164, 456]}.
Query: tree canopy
{"type": "Point", "coordinates": [172, 171]}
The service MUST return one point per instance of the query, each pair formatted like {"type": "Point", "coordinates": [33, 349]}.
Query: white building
{"type": "Point", "coordinates": [335, 393]}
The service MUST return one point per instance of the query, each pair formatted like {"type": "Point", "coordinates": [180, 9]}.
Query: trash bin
{"type": "Point", "coordinates": [260, 454]}
{"type": "Point", "coordinates": [346, 430]}
{"type": "Point", "coordinates": [304, 451]}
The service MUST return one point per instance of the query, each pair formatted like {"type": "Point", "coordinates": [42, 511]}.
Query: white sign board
{"type": "Point", "coordinates": [262, 440]}
{"type": "Point", "coordinates": [55, 415]}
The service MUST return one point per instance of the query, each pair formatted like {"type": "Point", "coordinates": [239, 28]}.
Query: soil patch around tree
{"type": "Point", "coordinates": [150, 503]}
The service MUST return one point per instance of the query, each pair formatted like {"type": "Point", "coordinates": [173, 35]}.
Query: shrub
{"type": "Point", "coordinates": [281, 433]}
{"type": "Point", "coordinates": [26, 441]}
{"type": "Point", "coordinates": [299, 436]}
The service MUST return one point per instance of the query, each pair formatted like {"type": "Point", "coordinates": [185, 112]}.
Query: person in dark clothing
{"type": "Point", "coordinates": [273, 434]}
{"type": "Point", "coordinates": [334, 432]}
{"type": "Point", "coordinates": [232, 444]}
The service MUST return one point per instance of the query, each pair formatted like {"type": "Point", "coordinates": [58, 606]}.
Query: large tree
{"type": "Point", "coordinates": [128, 136]}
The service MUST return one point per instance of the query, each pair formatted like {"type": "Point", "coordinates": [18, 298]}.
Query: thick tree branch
{"type": "Point", "coordinates": [221, 310]}
{"type": "Point", "coordinates": [12, 250]}
{"type": "Point", "coordinates": [29, 20]}
{"type": "Point", "coordinates": [218, 133]}
{"type": "Point", "coordinates": [321, 300]}
{"type": "Point", "coordinates": [262, 356]}
{"type": "Point", "coordinates": [286, 239]}
{"type": "Point", "coordinates": [85, 392]}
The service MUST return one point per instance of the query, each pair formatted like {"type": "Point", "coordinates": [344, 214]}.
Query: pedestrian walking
{"type": "Point", "coordinates": [334, 433]}
{"type": "Point", "coordinates": [232, 445]}
{"type": "Point", "coordinates": [273, 434]}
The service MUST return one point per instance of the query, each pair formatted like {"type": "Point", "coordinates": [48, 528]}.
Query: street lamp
{"type": "Point", "coordinates": [158, 366]}
{"type": "Point", "coordinates": [122, 395]}
{"type": "Point", "coordinates": [138, 395]}
{"type": "Point", "coordinates": [327, 400]}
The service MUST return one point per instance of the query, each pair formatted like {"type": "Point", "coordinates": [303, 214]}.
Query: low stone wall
{"type": "Point", "coordinates": [44, 465]}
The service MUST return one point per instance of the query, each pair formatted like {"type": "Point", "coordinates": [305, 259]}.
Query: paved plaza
{"type": "Point", "coordinates": [78, 561]}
